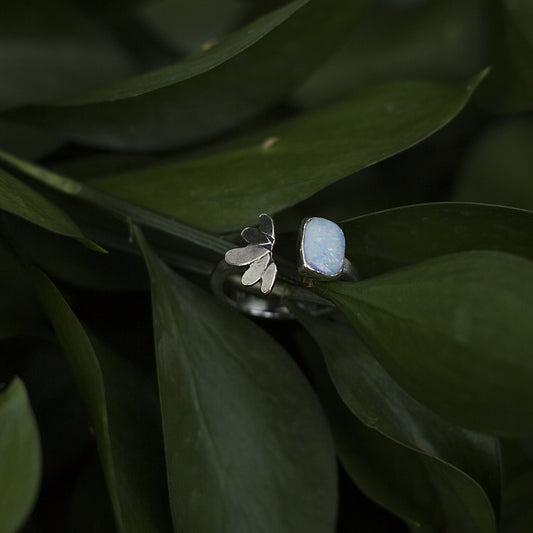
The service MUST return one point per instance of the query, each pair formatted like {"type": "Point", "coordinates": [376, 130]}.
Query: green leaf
{"type": "Point", "coordinates": [91, 510]}
{"type": "Point", "coordinates": [455, 332]}
{"type": "Point", "coordinates": [210, 91]}
{"type": "Point", "coordinates": [522, 13]}
{"type": "Point", "coordinates": [226, 191]}
{"type": "Point", "coordinates": [19, 199]}
{"type": "Point", "coordinates": [50, 50]}
{"type": "Point", "coordinates": [121, 407]}
{"type": "Point", "coordinates": [517, 511]}
{"type": "Point", "coordinates": [509, 88]}
{"type": "Point", "coordinates": [246, 443]}
{"type": "Point", "coordinates": [448, 454]}
{"type": "Point", "coordinates": [76, 265]}
{"type": "Point", "coordinates": [114, 206]}
{"type": "Point", "coordinates": [189, 26]}
{"type": "Point", "coordinates": [20, 457]}
{"type": "Point", "coordinates": [402, 236]}
{"type": "Point", "coordinates": [57, 407]}
{"type": "Point", "coordinates": [19, 308]}
{"type": "Point", "coordinates": [437, 40]}
{"type": "Point", "coordinates": [499, 167]}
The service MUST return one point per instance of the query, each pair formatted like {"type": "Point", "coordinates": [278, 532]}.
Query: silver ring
{"type": "Point", "coordinates": [255, 292]}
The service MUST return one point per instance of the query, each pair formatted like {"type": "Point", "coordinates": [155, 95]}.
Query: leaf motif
{"type": "Point", "coordinates": [266, 226]}
{"type": "Point", "coordinates": [255, 236]}
{"type": "Point", "coordinates": [245, 256]}
{"type": "Point", "coordinates": [268, 278]}
{"type": "Point", "coordinates": [255, 271]}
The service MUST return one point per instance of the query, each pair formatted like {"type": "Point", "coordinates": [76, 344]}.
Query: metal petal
{"type": "Point", "coordinates": [246, 255]}
{"type": "Point", "coordinates": [268, 278]}
{"type": "Point", "coordinates": [266, 225]}
{"type": "Point", "coordinates": [255, 271]}
{"type": "Point", "coordinates": [254, 236]}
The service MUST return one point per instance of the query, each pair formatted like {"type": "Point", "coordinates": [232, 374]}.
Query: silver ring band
{"type": "Point", "coordinates": [226, 285]}
{"type": "Point", "coordinates": [255, 292]}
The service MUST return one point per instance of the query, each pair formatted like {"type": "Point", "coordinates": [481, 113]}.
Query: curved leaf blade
{"type": "Point", "coordinates": [116, 206]}
{"type": "Point", "coordinates": [447, 453]}
{"type": "Point", "coordinates": [403, 236]}
{"type": "Point", "coordinates": [509, 88]}
{"type": "Point", "coordinates": [208, 92]}
{"type": "Point", "coordinates": [455, 332]}
{"type": "Point", "coordinates": [20, 457]}
{"type": "Point", "coordinates": [54, 49]}
{"type": "Point", "coordinates": [247, 446]}
{"type": "Point", "coordinates": [20, 200]}
{"type": "Point", "coordinates": [119, 403]}
{"type": "Point", "coordinates": [399, 43]}
{"type": "Point", "coordinates": [499, 167]}
{"type": "Point", "coordinates": [227, 191]}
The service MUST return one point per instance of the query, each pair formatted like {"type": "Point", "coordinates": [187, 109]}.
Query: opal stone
{"type": "Point", "coordinates": [323, 246]}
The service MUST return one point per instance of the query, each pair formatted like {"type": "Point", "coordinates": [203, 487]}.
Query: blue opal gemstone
{"type": "Point", "coordinates": [323, 246]}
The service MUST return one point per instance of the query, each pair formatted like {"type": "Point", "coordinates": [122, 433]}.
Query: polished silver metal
{"type": "Point", "coordinates": [227, 286]}
{"type": "Point", "coordinates": [242, 291]}
{"type": "Point", "coordinates": [257, 255]}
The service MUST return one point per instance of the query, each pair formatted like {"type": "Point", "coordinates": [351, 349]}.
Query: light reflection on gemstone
{"type": "Point", "coordinates": [323, 246]}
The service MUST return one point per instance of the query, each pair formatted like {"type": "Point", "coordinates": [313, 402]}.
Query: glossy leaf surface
{"type": "Point", "coordinates": [444, 454]}
{"type": "Point", "coordinates": [246, 442]}
{"type": "Point", "coordinates": [509, 88]}
{"type": "Point", "coordinates": [402, 236]}
{"type": "Point", "coordinates": [20, 457]}
{"type": "Point", "coordinates": [210, 91]}
{"type": "Point", "coordinates": [227, 191]}
{"type": "Point", "coordinates": [517, 512]}
{"type": "Point", "coordinates": [19, 199]}
{"type": "Point", "coordinates": [52, 50]}
{"type": "Point", "coordinates": [19, 308]}
{"type": "Point", "coordinates": [499, 167]}
{"type": "Point", "coordinates": [437, 40]}
{"type": "Point", "coordinates": [453, 331]}
{"type": "Point", "coordinates": [123, 413]}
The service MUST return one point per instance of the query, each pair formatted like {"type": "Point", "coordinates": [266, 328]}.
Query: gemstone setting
{"type": "Point", "coordinates": [321, 247]}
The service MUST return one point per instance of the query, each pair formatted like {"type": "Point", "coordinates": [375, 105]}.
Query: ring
{"type": "Point", "coordinates": [321, 248]}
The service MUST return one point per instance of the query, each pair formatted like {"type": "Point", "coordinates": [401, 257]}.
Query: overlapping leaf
{"type": "Point", "coordinates": [509, 88]}
{"type": "Point", "coordinates": [455, 332]}
{"type": "Point", "coordinates": [444, 455]}
{"type": "Point", "coordinates": [398, 41]}
{"type": "Point", "coordinates": [499, 167]}
{"type": "Point", "coordinates": [208, 92]}
{"type": "Point", "coordinates": [52, 50]}
{"type": "Point", "coordinates": [123, 413]}
{"type": "Point", "coordinates": [247, 446]}
{"type": "Point", "coordinates": [227, 191]}
{"type": "Point", "coordinates": [389, 239]}
{"type": "Point", "coordinates": [20, 457]}
{"type": "Point", "coordinates": [517, 510]}
{"type": "Point", "coordinates": [19, 308]}
{"type": "Point", "coordinates": [21, 200]}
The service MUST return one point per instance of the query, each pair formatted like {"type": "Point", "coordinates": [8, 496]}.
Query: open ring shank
{"type": "Point", "coordinates": [226, 285]}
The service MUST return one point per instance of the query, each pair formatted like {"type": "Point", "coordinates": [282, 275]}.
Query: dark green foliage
{"type": "Point", "coordinates": [137, 138]}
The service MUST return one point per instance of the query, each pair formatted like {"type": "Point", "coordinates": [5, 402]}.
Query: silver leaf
{"type": "Point", "coordinates": [255, 271]}
{"type": "Point", "coordinates": [268, 278]}
{"type": "Point", "coordinates": [246, 255]}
